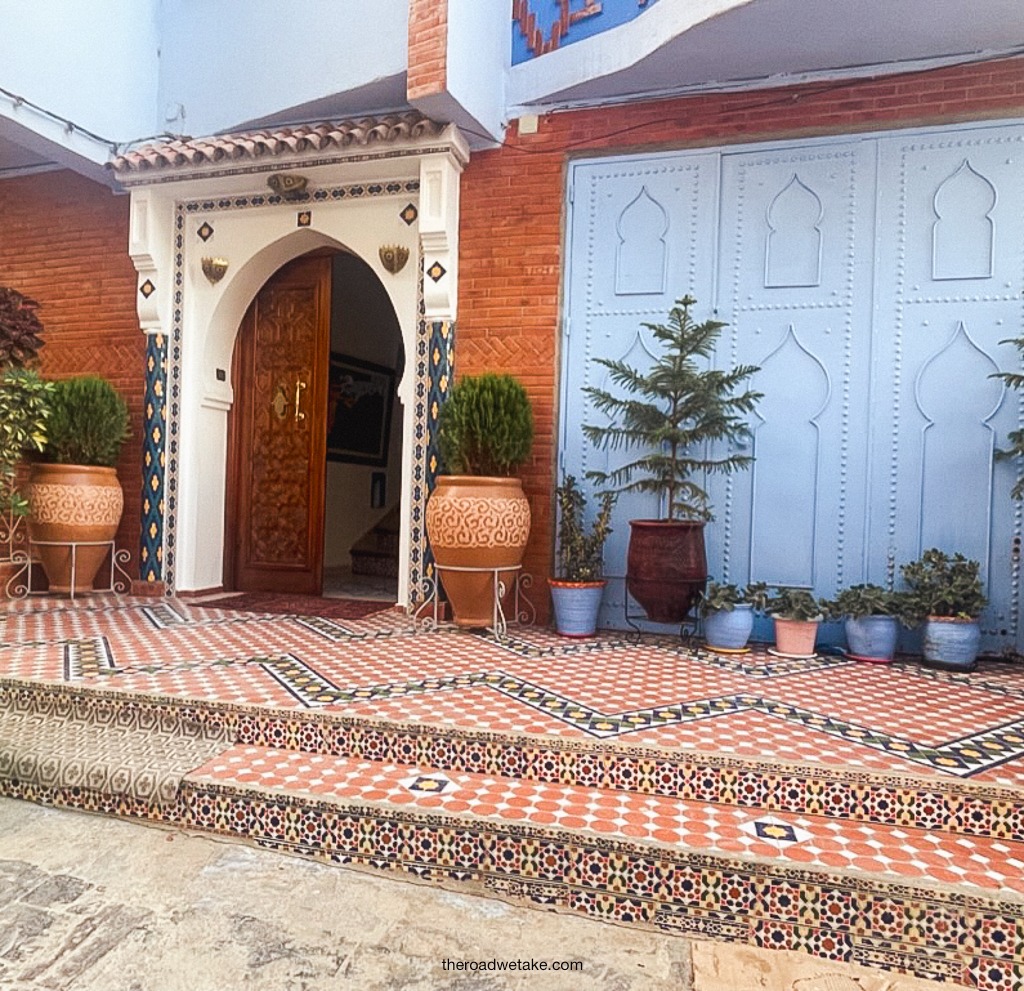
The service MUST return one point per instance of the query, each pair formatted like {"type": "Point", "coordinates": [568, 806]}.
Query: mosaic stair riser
{"type": "Point", "coordinates": [975, 941]}
{"type": "Point", "coordinates": [856, 796]}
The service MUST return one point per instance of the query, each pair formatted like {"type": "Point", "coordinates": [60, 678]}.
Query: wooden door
{"type": "Point", "coordinates": [276, 486]}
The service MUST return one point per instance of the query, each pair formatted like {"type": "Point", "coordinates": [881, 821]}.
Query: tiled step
{"type": "Point", "coordinates": [949, 805]}
{"type": "Point", "coordinates": [115, 749]}
{"type": "Point", "coordinates": [912, 854]}
{"type": "Point", "coordinates": [570, 832]}
{"type": "Point", "coordinates": [936, 905]}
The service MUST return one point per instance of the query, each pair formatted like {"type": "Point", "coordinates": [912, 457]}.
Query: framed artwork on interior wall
{"type": "Point", "coordinates": [359, 400]}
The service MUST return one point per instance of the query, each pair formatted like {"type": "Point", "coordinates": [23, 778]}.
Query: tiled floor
{"type": "Point", "coordinates": [658, 693]}
{"type": "Point", "coordinates": [893, 772]}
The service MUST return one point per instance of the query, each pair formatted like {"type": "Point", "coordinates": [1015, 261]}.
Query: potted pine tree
{"type": "Point", "coordinates": [673, 413]}
{"type": "Point", "coordinates": [478, 518]}
{"type": "Point", "coordinates": [576, 593]}
{"type": "Point", "coordinates": [946, 593]}
{"type": "Point", "coordinates": [74, 492]}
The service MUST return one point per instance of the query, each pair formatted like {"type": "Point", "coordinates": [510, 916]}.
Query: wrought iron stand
{"type": "Point", "coordinates": [19, 587]}
{"type": "Point", "coordinates": [523, 610]}
{"type": "Point", "coordinates": [689, 627]}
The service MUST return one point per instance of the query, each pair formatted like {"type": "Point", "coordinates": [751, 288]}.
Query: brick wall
{"type": "Point", "coordinates": [428, 48]}
{"type": "Point", "coordinates": [513, 201]}
{"type": "Point", "coordinates": [63, 242]}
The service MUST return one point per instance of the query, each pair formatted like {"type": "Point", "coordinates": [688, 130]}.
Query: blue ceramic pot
{"type": "Point", "coordinates": [872, 637]}
{"type": "Point", "coordinates": [950, 643]}
{"type": "Point", "coordinates": [729, 629]}
{"type": "Point", "coordinates": [576, 606]}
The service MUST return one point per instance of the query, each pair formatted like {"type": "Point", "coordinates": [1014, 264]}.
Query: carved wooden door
{"type": "Point", "coordinates": [275, 533]}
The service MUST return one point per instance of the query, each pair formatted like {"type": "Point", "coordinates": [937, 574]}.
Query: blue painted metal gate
{"type": "Point", "coordinates": [872, 278]}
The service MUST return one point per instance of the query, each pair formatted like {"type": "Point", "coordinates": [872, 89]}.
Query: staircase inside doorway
{"type": "Point", "coordinates": [374, 570]}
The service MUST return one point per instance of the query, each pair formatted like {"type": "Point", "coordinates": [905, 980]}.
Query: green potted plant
{"type": "Point", "coordinates": [872, 616]}
{"type": "Point", "coordinates": [728, 613]}
{"type": "Point", "coordinates": [946, 593]}
{"type": "Point", "coordinates": [478, 518]}
{"type": "Point", "coordinates": [74, 493]}
{"type": "Point", "coordinates": [576, 594]}
{"type": "Point", "coordinates": [24, 407]}
{"type": "Point", "coordinates": [796, 613]}
{"type": "Point", "coordinates": [672, 413]}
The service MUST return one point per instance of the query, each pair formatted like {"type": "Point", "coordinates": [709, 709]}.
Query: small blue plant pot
{"type": "Point", "coordinates": [951, 644]}
{"type": "Point", "coordinates": [729, 628]}
{"type": "Point", "coordinates": [872, 638]}
{"type": "Point", "coordinates": [576, 606]}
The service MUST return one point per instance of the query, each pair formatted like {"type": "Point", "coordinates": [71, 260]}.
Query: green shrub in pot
{"type": "Point", "coordinates": [76, 498]}
{"type": "Point", "coordinates": [577, 589]}
{"type": "Point", "coordinates": [478, 517]}
{"type": "Point", "coordinates": [946, 593]}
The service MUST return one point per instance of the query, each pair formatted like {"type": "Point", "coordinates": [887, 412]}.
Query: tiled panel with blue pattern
{"type": "Point", "coordinates": [541, 26]}
{"type": "Point", "coordinates": [434, 369]}
{"type": "Point", "coordinates": [153, 460]}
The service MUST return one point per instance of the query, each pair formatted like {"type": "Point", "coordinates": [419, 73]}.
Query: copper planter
{"type": "Point", "coordinates": [666, 567]}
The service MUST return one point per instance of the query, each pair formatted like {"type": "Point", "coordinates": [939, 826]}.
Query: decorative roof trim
{"type": "Point", "coordinates": [284, 142]}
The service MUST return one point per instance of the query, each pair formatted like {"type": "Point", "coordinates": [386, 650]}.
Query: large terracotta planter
{"type": "Point", "coordinates": [73, 503]}
{"type": "Point", "coordinates": [476, 522]}
{"type": "Point", "coordinates": [666, 567]}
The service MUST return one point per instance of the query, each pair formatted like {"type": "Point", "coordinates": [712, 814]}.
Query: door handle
{"type": "Point", "coordinates": [299, 387]}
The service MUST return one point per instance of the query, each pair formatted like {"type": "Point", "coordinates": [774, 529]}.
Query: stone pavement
{"type": "Point", "coordinates": [98, 904]}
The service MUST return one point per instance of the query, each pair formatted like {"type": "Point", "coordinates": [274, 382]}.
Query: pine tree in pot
{"type": "Point", "coordinates": [576, 593]}
{"type": "Point", "coordinates": [478, 516]}
{"type": "Point", "coordinates": [673, 413]}
{"type": "Point", "coordinates": [946, 593]}
{"type": "Point", "coordinates": [74, 492]}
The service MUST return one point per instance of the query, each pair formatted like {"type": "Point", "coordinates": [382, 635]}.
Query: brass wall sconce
{"type": "Point", "coordinates": [214, 269]}
{"type": "Point", "coordinates": [393, 257]}
{"type": "Point", "coordinates": [288, 185]}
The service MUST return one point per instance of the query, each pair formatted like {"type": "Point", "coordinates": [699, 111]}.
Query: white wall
{"type": "Point", "coordinates": [91, 61]}
{"type": "Point", "coordinates": [479, 51]}
{"type": "Point", "coordinates": [226, 61]}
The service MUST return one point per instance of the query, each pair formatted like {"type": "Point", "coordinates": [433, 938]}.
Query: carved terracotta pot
{"type": "Point", "coordinates": [72, 503]}
{"type": "Point", "coordinates": [666, 566]}
{"type": "Point", "coordinates": [476, 522]}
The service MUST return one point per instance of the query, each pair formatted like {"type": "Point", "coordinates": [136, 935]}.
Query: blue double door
{"type": "Point", "coordinates": [873, 280]}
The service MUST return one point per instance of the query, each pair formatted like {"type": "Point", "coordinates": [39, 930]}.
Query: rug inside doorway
{"type": "Point", "coordinates": [299, 605]}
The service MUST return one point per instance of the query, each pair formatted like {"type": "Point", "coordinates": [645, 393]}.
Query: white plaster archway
{"type": "Point", "coordinates": [412, 202]}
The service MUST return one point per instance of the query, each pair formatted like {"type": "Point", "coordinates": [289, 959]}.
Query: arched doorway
{"type": "Point", "coordinates": [313, 462]}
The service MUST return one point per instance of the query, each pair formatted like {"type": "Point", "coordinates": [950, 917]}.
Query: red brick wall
{"type": "Point", "coordinates": [63, 241]}
{"type": "Point", "coordinates": [513, 201]}
{"type": "Point", "coordinates": [428, 48]}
